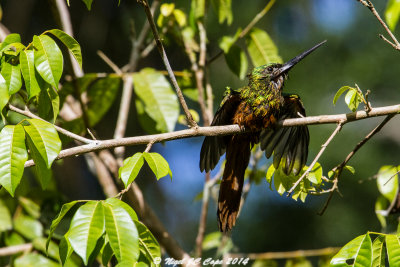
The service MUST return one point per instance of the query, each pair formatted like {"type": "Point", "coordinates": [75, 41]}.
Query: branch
{"type": "Point", "coordinates": [339, 168]}
{"type": "Point", "coordinates": [370, 6]}
{"type": "Point", "coordinates": [287, 254]}
{"type": "Point", "coordinates": [323, 147]}
{"type": "Point", "coordinates": [220, 130]}
{"type": "Point", "coordinates": [65, 132]}
{"type": "Point", "coordinates": [12, 250]}
{"type": "Point", "coordinates": [165, 60]}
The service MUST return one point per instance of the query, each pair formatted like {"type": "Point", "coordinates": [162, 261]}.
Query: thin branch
{"type": "Point", "coordinates": [203, 216]}
{"type": "Point", "coordinates": [287, 254]}
{"type": "Point", "coordinates": [246, 30]}
{"type": "Point", "coordinates": [370, 6]}
{"type": "Point", "coordinates": [65, 132]}
{"type": "Point", "coordinates": [12, 250]}
{"type": "Point", "coordinates": [323, 147]}
{"type": "Point", "coordinates": [339, 168]}
{"type": "Point", "coordinates": [220, 130]}
{"type": "Point", "coordinates": [165, 60]}
{"type": "Point", "coordinates": [109, 62]}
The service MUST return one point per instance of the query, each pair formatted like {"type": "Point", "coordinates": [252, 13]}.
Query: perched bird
{"type": "Point", "coordinates": [256, 107]}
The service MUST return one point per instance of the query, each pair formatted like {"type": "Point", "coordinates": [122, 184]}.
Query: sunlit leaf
{"type": "Point", "coordinates": [224, 10]}
{"type": "Point", "coordinates": [87, 226]}
{"type": "Point", "coordinates": [12, 74]}
{"type": "Point", "coordinates": [358, 251]}
{"type": "Point", "coordinates": [72, 45]}
{"type": "Point", "coordinates": [33, 259]}
{"type": "Point", "coordinates": [4, 94]}
{"type": "Point", "coordinates": [64, 210]}
{"type": "Point", "coordinates": [28, 227]}
{"type": "Point", "coordinates": [121, 229]}
{"type": "Point", "coordinates": [198, 8]}
{"type": "Point", "coordinates": [11, 38]}
{"type": "Point", "coordinates": [352, 99]}
{"type": "Point", "coordinates": [5, 217]}
{"type": "Point", "coordinates": [378, 252]}
{"type": "Point", "coordinates": [131, 168]}
{"type": "Point", "coordinates": [262, 49]}
{"type": "Point", "coordinates": [392, 13]}
{"type": "Point", "coordinates": [13, 155]}
{"type": "Point", "coordinates": [315, 175]}
{"type": "Point", "coordinates": [30, 207]}
{"type": "Point", "coordinates": [381, 205]}
{"type": "Point", "coordinates": [393, 249]}
{"type": "Point", "coordinates": [340, 92]}
{"type": "Point", "coordinates": [157, 164]}
{"type": "Point", "coordinates": [48, 59]}
{"type": "Point", "coordinates": [39, 244]}
{"type": "Point", "coordinates": [49, 104]}
{"type": "Point", "coordinates": [148, 245]}
{"type": "Point", "coordinates": [27, 61]}
{"type": "Point", "coordinates": [212, 240]}
{"type": "Point", "coordinates": [388, 182]}
{"type": "Point", "coordinates": [45, 138]}
{"type": "Point", "coordinates": [157, 98]}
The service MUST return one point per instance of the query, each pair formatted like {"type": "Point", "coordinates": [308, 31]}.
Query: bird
{"type": "Point", "coordinates": [257, 108]}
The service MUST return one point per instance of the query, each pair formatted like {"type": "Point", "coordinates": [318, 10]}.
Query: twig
{"type": "Point", "coordinates": [339, 168]}
{"type": "Point", "coordinates": [395, 44]}
{"type": "Point", "coordinates": [109, 62]}
{"type": "Point", "coordinates": [323, 147]}
{"type": "Point", "coordinates": [220, 130]}
{"type": "Point", "coordinates": [65, 132]}
{"type": "Point", "coordinates": [246, 30]}
{"type": "Point", "coordinates": [287, 254]}
{"type": "Point", "coordinates": [203, 216]}
{"type": "Point", "coordinates": [165, 60]}
{"type": "Point", "coordinates": [12, 250]}
{"type": "Point", "coordinates": [391, 177]}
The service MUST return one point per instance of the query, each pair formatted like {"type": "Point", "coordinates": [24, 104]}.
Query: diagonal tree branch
{"type": "Point", "coordinates": [165, 60]}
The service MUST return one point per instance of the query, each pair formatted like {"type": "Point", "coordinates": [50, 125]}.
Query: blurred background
{"type": "Point", "coordinates": [268, 222]}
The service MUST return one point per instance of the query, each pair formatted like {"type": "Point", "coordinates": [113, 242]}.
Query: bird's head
{"type": "Point", "coordinates": [275, 72]}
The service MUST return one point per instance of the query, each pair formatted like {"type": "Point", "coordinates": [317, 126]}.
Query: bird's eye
{"type": "Point", "coordinates": [270, 69]}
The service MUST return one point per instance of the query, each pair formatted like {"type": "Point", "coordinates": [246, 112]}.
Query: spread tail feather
{"type": "Point", "coordinates": [237, 159]}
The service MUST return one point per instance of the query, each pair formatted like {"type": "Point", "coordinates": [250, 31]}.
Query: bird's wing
{"type": "Point", "coordinates": [214, 146]}
{"type": "Point", "coordinates": [289, 144]}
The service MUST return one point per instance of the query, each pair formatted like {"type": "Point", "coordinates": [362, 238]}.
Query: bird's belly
{"type": "Point", "coordinates": [246, 117]}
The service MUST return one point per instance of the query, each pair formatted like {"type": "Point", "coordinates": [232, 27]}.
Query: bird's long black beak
{"type": "Point", "coordinates": [288, 65]}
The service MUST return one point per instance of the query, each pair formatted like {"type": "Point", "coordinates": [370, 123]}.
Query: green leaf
{"type": "Point", "coordinates": [157, 164]}
{"type": "Point", "coordinates": [40, 245]}
{"type": "Point", "coordinates": [198, 8]}
{"type": "Point", "coordinates": [340, 92]}
{"type": "Point", "coordinates": [237, 61]}
{"type": "Point", "coordinates": [101, 95]}
{"type": "Point", "coordinates": [87, 226]}
{"type": "Point", "coordinates": [72, 45]}
{"type": "Point", "coordinates": [392, 13]}
{"type": "Point", "coordinates": [12, 74]}
{"type": "Point", "coordinates": [5, 217]}
{"type": "Point", "coordinates": [65, 249]}
{"type": "Point", "coordinates": [120, 204]}
{"type": "Point", "coordinates": [388, 182]}
{"type": "Point", "coordinates": [350, 169]}
{"type": "Point", "coordinates": [122, 232]}
{"type": "Point", "coordinates": [180, 17]}
{"type": "Point", "coordinates": [131, 168]}
{"type": "Point", "coordinates": [393, 249]}
{"type": "Point", "coordinates": [381, 205]}
{"type": "Point", "coordinates": [49, 104]}
{"type": "Point", "coordinates": [13, 156]}
{"type": "Point", "coordinates": [270, 173]}
{"type": "Point", "coordinates": [30, 207]}
{"type": "Point", "coordinates": [45, 138]}
{"type": "Point", "coordinates": [4, 94]}
{"type": "Point", "coordinates": [48, 59]}
{"type": "Point", "coordinates": [33, 259]}
{"type": "Point", "coordinates": [43, 173]}
{"type": "Point", "coordinates": [28, 227]}
{"type": "Point", "coordinates": [13, 239]}
{"type": "Point", "coordinates": [64, 209]}
{"type": "Point", "coordinates": [106, 254]}
{"type": "Point", "coordinates": [378, 251]}
{"type": "Point", "coordinates": [315, 175]}
{"type": "Point", "coordinates": [224, 10]}
{"type": "Point", "coordinates": [159, 101]}
{"type": "Point", "coordinates": [352, 99]}
{"type": "Point", "coordinates": [27, 61]}
{"type": "Point", "coordinates": [212, 240]}
{"type": "Point", "coordinates": [11, 38]}
{"type": "Point", "coordinates": [148, 245]}
{"type": "Point", "coordinates": [227, 41]}
{"type": "Point", "coordinates": [358, 250]}
{"type": "Point", "coordinates": [262, 49]}
{"type": "Point", "coordinates": [88, 3]}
